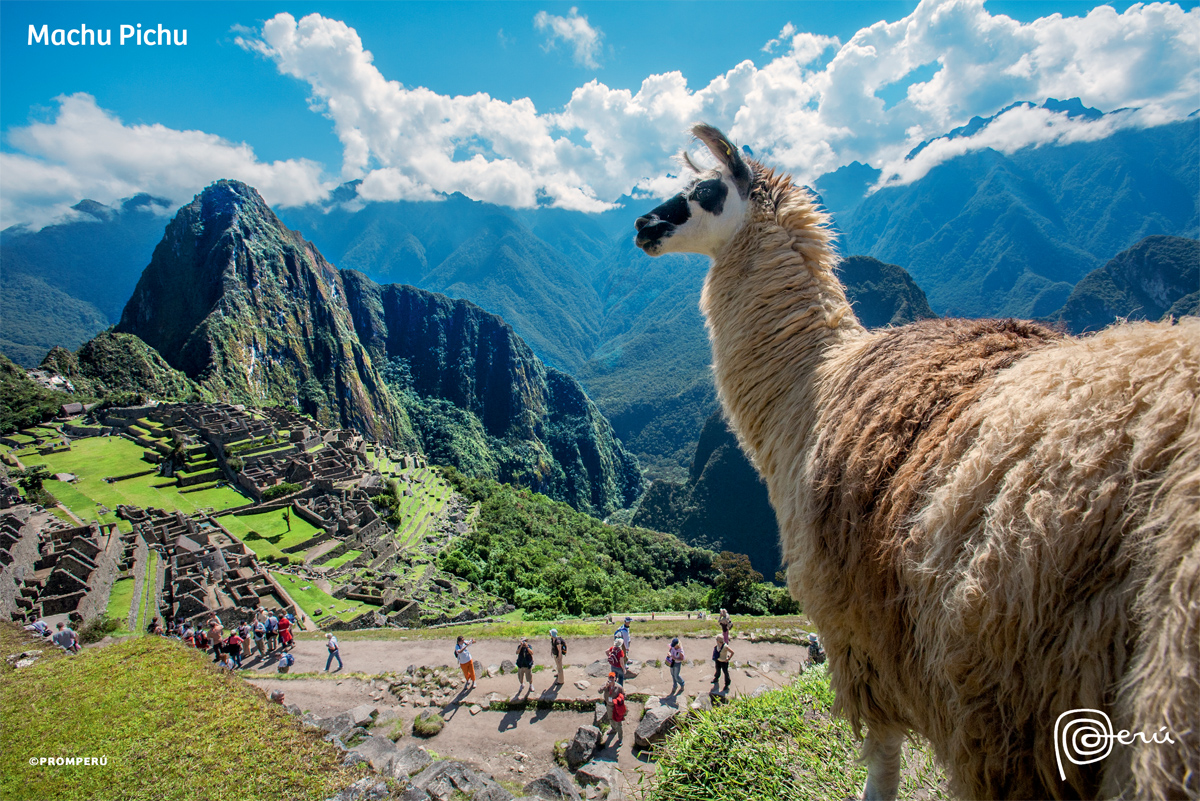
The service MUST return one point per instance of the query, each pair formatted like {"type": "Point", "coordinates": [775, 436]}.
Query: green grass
{"type": "Point", "coordinates": [144, 614]}
{"type": "Point", "coordinates": [171, 727]}
{"type": "Point", "coordinates": [272, 529]}
{"type": "Point", "coordinates": [94, 458]}
{"type": "Point", "coordinates": [338, 561]}
{"type": "Point", "coordinates": [315, 598]}
{"type": "Point", "coordinates": [785, 744]}
{"type": "Point", "coordinates": [511, 626]}
{"type": "Point", "coordinates": [119, 601]}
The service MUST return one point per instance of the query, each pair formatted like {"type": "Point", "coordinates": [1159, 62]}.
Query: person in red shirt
{"type": "Point", "coordinates": [285, 631]}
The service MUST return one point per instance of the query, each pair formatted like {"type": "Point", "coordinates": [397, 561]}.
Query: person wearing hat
{"type": "Point", "coordinates": [675, 660]}
{"type": "Point", "coordinates": [616, 658]}
{"type": "Point", "coordinates": [623, 634]}
{"type": "Point", "coordinates": [331, 644]}
{"type": "Point", "coordinates": [465, 663]}
{"type": "Point", "coordinates": [524, 665]}
{"type": "Point", "coordinates": [816, 654]}
{"type": "Point", "coordinates": [608, 692]}
{"type": "Point", "coordinates": [558, 649]}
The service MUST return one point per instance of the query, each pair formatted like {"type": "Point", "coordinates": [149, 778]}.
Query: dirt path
{"type": "Point", "coordinates": [517, 746]}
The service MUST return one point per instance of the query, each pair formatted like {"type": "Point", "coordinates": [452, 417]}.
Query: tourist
{"type": "Point", "coordinates": [619, 710]}
{"type": "Point", "coordinates": [524, 665]}
{"type": "Point", "coordinates": [247, 634]}
{"type": "Point", "coordinates": [558, 649]}
{"type": "Point", "coordinates": [233, 647]}
{"type": "Point", "coordinates": [278, 696]}
{"type": "Point", "coordinates": [201, 639]}
{"type": "Point", "coordinates": [722, 653]}
{"type": "Point", "coordinates": [65, 639]}
{"type": "Point", "coordinates": [675, 660]}
{"type": "Point", "coordinates": [623, 634]}
{"type": "Point", "coordinates": [726, 623]}
{"type": "Point", "coordinates": [465, 663]}
{"type": "Point", "coordinates": [616, 659]}
{"type": "Point", "coordinates": [285, 632]}
{"type": "Point", "coordinates": [272, 631]}
{"type": "Point", "coordinates": [189, 636]}
{"type": "Point", "coordinates": [226, 661]}
{"type": "Point", "coordinates": [216, 634]}
{"type": "Point", "coordinates": [39, 628]}
{"type": "Point", "coordinates": [285, 663]}
{"type": "Point", "coordinates": [608, 692]}
{"type": "Point", "coordinates": [260, 637]}
{"type": "Point", "coordinates": [816, 654]}
{"type": "Point", "coordinates": [331, 644]}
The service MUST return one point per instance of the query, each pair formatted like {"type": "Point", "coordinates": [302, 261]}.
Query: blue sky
{"type": "Point", "coordinates": [569, 104]}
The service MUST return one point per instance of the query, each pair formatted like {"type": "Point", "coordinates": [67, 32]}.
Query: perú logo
{"type": "Point", "coordinates": [1086, 736]}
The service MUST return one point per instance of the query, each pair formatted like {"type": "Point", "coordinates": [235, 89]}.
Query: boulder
{"type": "Point", "coordinates": [379, 751]}
{"type": "Point", "coordinates": [582, 684]}
{"type": "Point", "coordinates": [409, 761]}
{"type": "Point", "coordinates": [353, 758]}
{"type": "Point", "coordinates": [508, 666]}
{"type": "Point", "coordinates": [600, 715]}
{"type": "Point", "coordinates": [632, 669]}
{"type": "Point", "coordinates": [599, 669]}
{"type": "Point", "coordinates": [656, 723]}
{"type": "Point", "coordinates": [362, 714]}
{"type": "Point", "coordinates": [338, 724]}
{"type": "Point", "coordinates": [582, 746]}
{"type": "Point", "coordinates": [493, 671]}
{"type": "Point", "coordinates": [443, 780]}
{"type": "Point", "coordinates": [760, 689]}
{"type": "Point", "coordinates": [368, 789]}
{"type": "Point", "coordinates": [597, 773]}
{"type": "Point", "coordinates": [293, 709]}
{"type": "Point", "coordinates": [555, 785]}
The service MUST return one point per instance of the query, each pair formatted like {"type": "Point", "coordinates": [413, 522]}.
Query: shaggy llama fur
{"type": "Point", "coordinates": [990, 523]}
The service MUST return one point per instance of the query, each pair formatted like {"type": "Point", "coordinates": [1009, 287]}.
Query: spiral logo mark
{"type": "Point", "coordinates": [1083, 736]}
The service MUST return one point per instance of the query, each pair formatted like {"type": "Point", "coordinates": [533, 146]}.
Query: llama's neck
{"type": "Point", "coordinates": [775, 313]}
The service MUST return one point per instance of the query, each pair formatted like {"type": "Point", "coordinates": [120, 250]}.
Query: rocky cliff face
{"type": "Point", "coordinates": [254, 314]}
{"type": "Point", "coordinates": [483, 402]}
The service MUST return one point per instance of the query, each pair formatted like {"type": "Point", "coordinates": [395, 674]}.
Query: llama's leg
{"type": "Point", "coordinates": [882, 755]}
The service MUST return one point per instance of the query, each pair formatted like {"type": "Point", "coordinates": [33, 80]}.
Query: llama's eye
{"type": "Point", "coordinates": [710, 195]}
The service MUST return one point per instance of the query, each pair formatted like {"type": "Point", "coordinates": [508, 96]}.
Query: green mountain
{"type": "Point", "coordinates": [254, 314]}
{"type": "Point", "coordinates": [990, 234]}
{"type": "Point", "coordinates": [723, 504]}
{"type": "Point", "coordinates": [1158, 277]}
{"type": "Point", "coordinates": [121, 364]}
{"type": "Point", "coordinates": [62, 284]}
{"type": "Point", "coordinates": [482, 402]}
{"type": "Point", "coordinates": [236, 307]}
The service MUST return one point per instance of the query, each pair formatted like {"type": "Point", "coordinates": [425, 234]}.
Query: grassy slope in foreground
{"type": "Point", "coordinates": [171, 726]}
{"type": "Point", "coordinates": [781, 745]}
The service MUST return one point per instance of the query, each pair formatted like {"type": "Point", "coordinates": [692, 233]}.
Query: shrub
{"type": "Point", "coordinates": [97, 629]}
{"type": "Point", "coordinates": [428, 724]}
{"type": "Point", "coordinates": [279, 490]}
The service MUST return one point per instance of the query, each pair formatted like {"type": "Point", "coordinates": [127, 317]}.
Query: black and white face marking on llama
{"type": "Point", "coordinates": [702, 217]}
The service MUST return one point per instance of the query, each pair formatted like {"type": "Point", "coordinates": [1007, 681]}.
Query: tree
{"type": "Point", "coordinates": [736, 585]}
{"type": "Point", "coordinates": [287, 517]}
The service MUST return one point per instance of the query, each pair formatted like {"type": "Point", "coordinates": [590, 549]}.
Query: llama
{"type": "Point", "coordinates": [992, 525]}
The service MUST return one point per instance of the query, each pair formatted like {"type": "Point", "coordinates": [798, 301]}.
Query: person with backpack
{"type": "Point", "coordinates": [675, 660]}
{"type": "Point", "coordinates": [247, 634]}
{"type": "Point", "coordinates": [285, 663]}
{"type": "Point", "coordinates": [616, 659]}
{"type": "Point", "coordinates": [558, 649]}
{"type": "Point", "coordinates": [272, 631]}
{"type": "Point", "coordinates": [260, 637]}
{"type": "Point", "coordinates": [622, 634]}
{"type": "Point", "coordinates": [725, 622]}
{"type": "Point", "coordinates": [816, 654]}
{"type": "Point", "coordinates": [466, 663]}
{"type": "Point", "coordinates": [331, 644]}
{"type": "Point", "coordinates": [524, 665]}
{"type": "Point", "coordinates": [722, 653]}
{"type": "Point", "coordinates": [233, 647]}
{"type": "Point", "coordinates": [619, 711]}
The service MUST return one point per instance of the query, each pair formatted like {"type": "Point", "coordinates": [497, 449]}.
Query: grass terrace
{"type": "Point", "coordinates": [96, 458]}
{"type": "Point", "coordinates": [315, 598]}
{"type": "Point", "coordinates": [171, 726]}
{"type": "Point", "coordinates": [338, 561]}
{"type": "Point", "coordinates": [119, 601]}
{"type": "Point", "coordinates": [273, 533]}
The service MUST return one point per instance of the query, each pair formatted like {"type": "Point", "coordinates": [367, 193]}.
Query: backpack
{"type": "Point", "coordinates": [619, 711]}
{"type": "Point", "coordinates": [614, 657]}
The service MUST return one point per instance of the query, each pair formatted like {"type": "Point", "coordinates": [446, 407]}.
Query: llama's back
{"type": "Point", "coordinates": [1024, 546]}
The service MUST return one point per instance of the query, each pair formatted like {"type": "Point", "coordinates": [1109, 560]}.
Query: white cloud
{"type": "Point", "coordinates": [787, 32]}
{"type": "Point", "coordinates": [810, 109]}
{"type": "Point", "coordinates": [86, 152]}
{"type": "Point", "coordinates": [575, 31]}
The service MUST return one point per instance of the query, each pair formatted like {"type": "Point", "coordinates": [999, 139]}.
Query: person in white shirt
{"type": "Point", "coordinates": [331, 644]}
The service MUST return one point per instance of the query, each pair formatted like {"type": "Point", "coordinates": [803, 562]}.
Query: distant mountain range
{"type": "Point", "coordinates": [983, 234]}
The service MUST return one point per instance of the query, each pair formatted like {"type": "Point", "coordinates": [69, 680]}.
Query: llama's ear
{"type": "Point", "coordinates": [726, 153]}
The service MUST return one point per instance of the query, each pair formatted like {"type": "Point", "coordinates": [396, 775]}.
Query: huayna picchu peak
{"type": "Point", "coordinates": [254, 314]}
